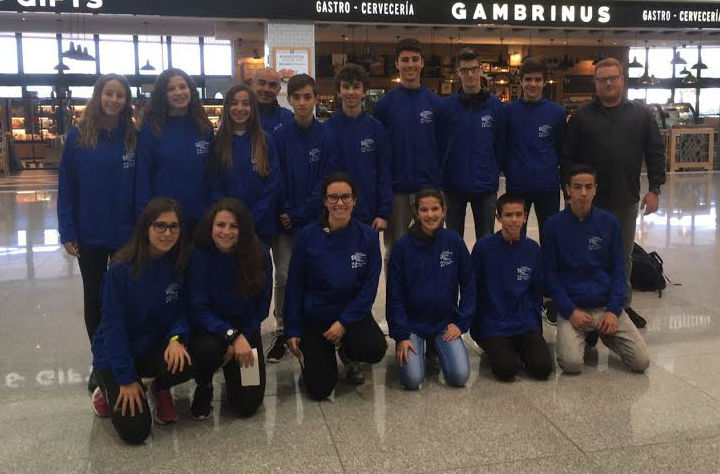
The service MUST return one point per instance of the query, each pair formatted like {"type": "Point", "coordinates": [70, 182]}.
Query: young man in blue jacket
{"type": "Point", "coordinates": [584, 267]}
{"type": "Point", "coordinates": [363, 149]}
{"type": "Point", "coordinates": [305, 148]}
{"type": "Point", "coordinates": [266, 86]}
{"type": "Point", "coordinates": [534, 136]}
{"type": "Point", "coordinates": [508, 274]}
{"type": "Point", "coordinates": [471, 131]}
{"type": "Point", "coordinates": [409, 115]}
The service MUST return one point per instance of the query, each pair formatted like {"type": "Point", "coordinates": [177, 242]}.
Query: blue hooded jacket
{"type": "Point", "coordinates": [410, 118]}
{"type": "Point", "coordinates": [509, 287]}
{"type": "Point", "coordinates": [363, 151]}
{"type": "Point", "coordinates": [96, 190]}
{"type": "Point", "coordinates": [423, 280]}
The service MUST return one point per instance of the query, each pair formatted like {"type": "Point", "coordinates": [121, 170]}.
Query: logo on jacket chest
{"type": "Point", "coordinates": [595, 243]}
{"type": "Point", "coordinates": [487, 121]}
{"type": "Point", "coordinates": [358, 260]}
{"type": "Point", "coordinates": [447, 257]}
{"type": "Point", "coordinates": [314, 155]}
{"type": "Point", "coordinates": [544, 131]}
{"type": "Point", "coordinates": [426, 116]}
{"type": "Point", "coordinates": [202, 147]}
{"type": "Point", "coordinates": [523, 273]}
{"type": "Point", "coordinates": [367, 145]}
{"type": "Point", "coordinates": [128, 160]}
{"type": "Point", "coordinates": [172, 293]}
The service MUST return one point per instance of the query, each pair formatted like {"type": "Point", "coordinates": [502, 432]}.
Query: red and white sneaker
{"type": "Point", "coordinates": [99, 404]}
{"type": "Point", "coordinates": [165, 409]}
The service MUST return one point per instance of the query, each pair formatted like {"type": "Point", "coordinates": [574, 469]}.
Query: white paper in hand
{"type": "Point", "coordinates": [250, 376]}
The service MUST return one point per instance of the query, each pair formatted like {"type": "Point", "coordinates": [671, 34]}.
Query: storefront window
{"type": "Point", "coordinates": [218, 57]}
{"type": "Point", "coordinates": [117, 54]}
{"type": "Point", "coordinates": [45, 62]}
{"type": "Point", "coordinates": [711, 57]}
{"type": "Point", "coordinates": [43, 92]}
{"type": "Point", "coordinates": [9, 92]}
{"type": "Point", "coordinates": [685, 96]}
{"type": "Point", "coordinates": [150, 49]}
{"type": "Point", "coordinates": [710, 100]}
{"type": "Point", "coordinates": [659, 62]}
{"type": "Point", "coordinates": [81, 92]}
{"type": "Point", "coordinates": [8, 45]}
{"type": "Point", "coordinates": [650, 96]}
{"type": "Point", "coordinates": [186, 54]}
{"type": "Point", "coordinates": [80, 66]}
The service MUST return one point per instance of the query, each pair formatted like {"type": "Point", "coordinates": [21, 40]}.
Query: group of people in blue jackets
{"type": "Point", "coordinates": [181, 234]}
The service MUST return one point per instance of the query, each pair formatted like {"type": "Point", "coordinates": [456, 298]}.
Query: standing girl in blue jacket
{"type": "Point", "coordinates": [173, 145]}
{"type": "Point", "coordinates": [144, 324]}
{"type": "Point", "coordinates": [95, 188]}
{"type": "Point", "coordinates": [244, 163]}
{"type": "Point", "coordinates": [230, 288]}
{"type": "Point", "coordinates": [428, 266]}
{"type": "Point", "coordinates": [332, 283]}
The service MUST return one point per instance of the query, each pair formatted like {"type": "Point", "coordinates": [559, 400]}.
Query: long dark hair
{"type": "Point", "coordinates": [137, 250]}
{"type": "Point", "coordinates": [88, 125]}
{"type": "Point", "coordinates": [338, 177]}
{"type": "Point", "coordinates": [221, 159]}
{"type": "Point", "coordinates": [416, 226]}
{"type": "Point", "coordinates": [156, 111]}
{"type": "Point", "coordinates": [249, 252]}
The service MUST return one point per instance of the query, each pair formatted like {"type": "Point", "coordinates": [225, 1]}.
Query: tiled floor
{"type": "Point", "coordinates": [605, 420]}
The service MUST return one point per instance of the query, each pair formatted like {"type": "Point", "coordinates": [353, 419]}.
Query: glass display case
{"type": "Point", "coordinates": [673, 115]}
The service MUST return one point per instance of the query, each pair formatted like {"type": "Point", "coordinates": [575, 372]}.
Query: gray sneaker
{"type": "Point", "coordinates": [278, 350]}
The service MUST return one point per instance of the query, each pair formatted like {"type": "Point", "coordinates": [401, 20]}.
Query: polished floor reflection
{"type": "Point", "coordinates": [605, 420]}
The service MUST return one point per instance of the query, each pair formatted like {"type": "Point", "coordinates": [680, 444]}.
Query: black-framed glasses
{"type": "Point", "coordinates": [160, 227]}
{"type": "Point", "coordinates": [468, 70]}
{"type": "Point", "coordinates": [334, 198]}
{"type": "Point", "coordinates": [608, 79]}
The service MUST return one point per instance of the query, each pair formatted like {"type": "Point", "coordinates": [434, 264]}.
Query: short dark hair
{"type": "Point", "coordinates": [467, 54]}
{"type": "Point", "coordinates": [509, 197]}
{"type": "Point", "coordinates": [408, 44]}
{"type": "Point", "coordinates": [336, 177]}
{"type": "Point", "coordinates": [579, 168]}
{"type": "Point", "coordinates": [352, 73]}
{"type": "Point", "coordinates": [531, 65]}
{"type": "Point", "coordinates": [298, 81]}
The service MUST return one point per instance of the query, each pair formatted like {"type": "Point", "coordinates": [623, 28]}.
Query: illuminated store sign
{"type": "Point", "coordinates": [630, 14]}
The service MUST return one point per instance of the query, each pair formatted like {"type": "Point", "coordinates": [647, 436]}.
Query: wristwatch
{"type": "Point", "coordinates": [231, 334]}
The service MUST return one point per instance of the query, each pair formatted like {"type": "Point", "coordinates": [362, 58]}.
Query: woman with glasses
{"type": "Point", "coordinates": [332, 282]}
{"type": "Point", "coordinates": [95, 188]}
{"type": "Point", "coordinates": [243, 163]}
{"type": "Point", "coordinates": [144, 325]}
{"type": "Point", "coordinates": [173, 145]}
{"type": "Point", "coordinates": [429, 266]}
{"type": "Point", "coordinates": [230, 286]}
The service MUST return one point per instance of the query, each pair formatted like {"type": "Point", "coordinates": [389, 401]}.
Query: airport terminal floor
{"type": "Point", "coordinates": [605, 420]}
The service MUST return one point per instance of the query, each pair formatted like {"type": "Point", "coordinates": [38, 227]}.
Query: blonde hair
{"type": "Point", "coordinates": [609, 62]}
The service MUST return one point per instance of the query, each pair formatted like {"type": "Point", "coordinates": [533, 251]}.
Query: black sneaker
{"type": "Point", "coordinates": [92, 382]}
{"type": "Point", "coordinates": [591, 338]}
{"type": "Point", "coordinates": [202, 406]}
{"type": "Point", "coordinates": [637, 320]}
{"type": "Point", "coordinates": [277, 350]}
{"type": "Point", "coordinates": [551, 312]}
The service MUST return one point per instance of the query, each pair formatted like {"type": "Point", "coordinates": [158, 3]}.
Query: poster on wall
{"type": "Point", "coordinates": [290, 61]}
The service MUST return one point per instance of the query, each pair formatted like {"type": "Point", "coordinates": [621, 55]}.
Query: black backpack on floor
{"type": "Point", "coordinates": [647, 271]}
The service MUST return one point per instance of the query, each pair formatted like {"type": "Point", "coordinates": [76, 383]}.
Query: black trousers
{"type": "Point", "coordinates": [208, 351]}
{"type": "Point", "coordinates": [362, 342]}
{"type": "Point", "coordinates": [135, 429]}
{"type": "Point", "coordinates": [93, 263]}
{"type": "Point", "coordinates": [546, 204]}
{"type": "Point", "coordinates": [532, 349]}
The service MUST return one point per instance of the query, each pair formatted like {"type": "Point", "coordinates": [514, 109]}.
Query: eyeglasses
{"type": "Point", "coordinates": [468, 70]}
{"type": "Point", "coordinates": [334, 198]}
{"type": "Point", "coordinates": [608, 79]}
{"type": "Point", "coordinates": [160, 227]}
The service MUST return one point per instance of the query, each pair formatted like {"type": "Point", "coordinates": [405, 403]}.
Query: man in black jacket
{"type": "Point", "coordinates": [614, 135]}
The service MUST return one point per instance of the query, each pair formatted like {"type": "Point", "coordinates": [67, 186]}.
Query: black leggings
{"type": "Point", "coordinates": [93, 263]}
{"type": "Point", "coordinates": [503, 353]}
{"type": "Point", "coordinates": [363, 342]}
{"type": "Point", "coordinates": [208, 351]}
{"type": "Point", "coordinates": [135, 429]}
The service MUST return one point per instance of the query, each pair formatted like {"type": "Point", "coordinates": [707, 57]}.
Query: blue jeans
{"type": "Point", "coordinates": [453, 361]}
